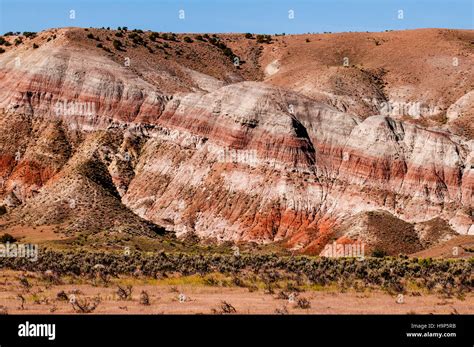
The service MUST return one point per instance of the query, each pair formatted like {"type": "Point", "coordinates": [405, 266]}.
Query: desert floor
{"type": "Point", "coordinates": [187, 296]}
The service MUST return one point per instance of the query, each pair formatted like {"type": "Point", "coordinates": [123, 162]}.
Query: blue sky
{"type": "Point", "coordinates": [256, 16]}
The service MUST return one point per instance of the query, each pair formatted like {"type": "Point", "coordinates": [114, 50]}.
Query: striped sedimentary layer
{"type": "Point", "coordinates": [247, 161]}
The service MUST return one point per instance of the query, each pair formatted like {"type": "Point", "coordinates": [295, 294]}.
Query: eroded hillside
{"type": "Point", "coordinates": [240, 138]}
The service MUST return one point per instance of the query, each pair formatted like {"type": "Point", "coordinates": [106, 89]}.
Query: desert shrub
{"type": "Point", "coordinates": [117, 45]}
{"type": "Point", "coordinates": [199, 38]}
{"type": "Point", "coordinates": [85, 305]}
{"type": "Point", "coordinates": [2, 40]}
{"type": "Point", "coordinates": [221, 45]}
{"type": "Point", "coordinates": [136, 39]}
{"type": "Point", "coordinates": [62, 296]}
{"type": "Point", "coordinates": [211, 281]}
{"type": "Point", "coordinates": [2, 50]}
{"type": "Point", "coordinates": [248, 36]}
{"type": "Point", "coordinates": [153, 36]}
{"type": "Point", "coordinates": [29, 34]}
{"type": "Point", "coordinates": [144, 298]}
{"type": "Point", "coordinates": [283, 295]}
{"type": "Point", "coordinates": [51, 277]}
{"type": "Point", "coordinates": [187, 39]}
{"type": "Point", "coordinates": [224, 308]}
{"type": "Point", "coordinates": [25, 283]}
{"type": "Point", "coordinates": [303, 303]}
{"type": "Point", "coordinates": [385, 272]}
{"type": "Point", "coordinates": [282, 311]}
{"type": "Point", "coordinates": [119, 34]}
{"type": "Point", "coordinates": [35, 45]}
{"type": "Point", "coordinates": [7, 238]}
{"type": "Point", "coordinates": [378, 253]}
{"type": "Point", "coordinates": [228, 52]}
{"type": "Point", "coordinates": [124, 293]}
{"type": "Point", "coordinates": [90, 36]}
{"type": "Point", "coordinates": [264, 39]}
{"type": "Point", "coordinates": [237, 281]}
{"type": "Point", "coordinates": [169, 36]}
{"type": "Point", "coordinates": [3, 210]}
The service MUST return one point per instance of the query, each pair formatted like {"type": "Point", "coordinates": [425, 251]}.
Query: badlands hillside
{"type": "Point", "coordinates": [301, 139]}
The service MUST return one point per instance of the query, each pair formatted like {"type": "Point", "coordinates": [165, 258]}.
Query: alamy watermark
{"type": "Point", "coordinates": [401, 108]}
{"type": "Point", "coordinates": [75, 108]}
{"type": "Point", "coordinates": [230, 155]}
{"type": "Point", "coordinates": [338, 250]}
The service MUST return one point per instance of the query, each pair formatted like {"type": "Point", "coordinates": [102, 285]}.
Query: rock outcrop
{"type": "Point", "coordinates": [221, 156]}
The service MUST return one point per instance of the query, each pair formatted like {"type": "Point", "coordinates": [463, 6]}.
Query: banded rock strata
{"type": "Point", "coordinates": [215, 155]}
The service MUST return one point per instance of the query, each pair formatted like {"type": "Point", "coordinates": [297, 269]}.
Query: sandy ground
{"type": "Point", "coordinates": [202, 299]}
{"type": "Point", "coordinates": [33, 234]}
{"type": "Point", "coordinates": [458, 247]}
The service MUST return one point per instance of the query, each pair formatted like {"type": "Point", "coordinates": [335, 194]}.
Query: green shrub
{"type": "Point", "coordinates": [378, 253]}
{"type": "Point", "coordinates": [153, 36]}
{"type": "Point", "coordinates": [264, 39]}
{"type": "Point", "coordinates": [29, 34]}
{"type": "Point", "coordinates": [117, 45]}
{"type": "Point", "coordinates": [228, 52]}
{"type": "Point", "coordinates": [425, 262]}
{"type": "Point", "coordinates": [169, 36]}
{"type": "Point", "coordinates": [389, 273]}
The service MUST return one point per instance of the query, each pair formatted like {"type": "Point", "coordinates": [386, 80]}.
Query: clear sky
{"type": "Point", "coordinates": [255, 16]}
